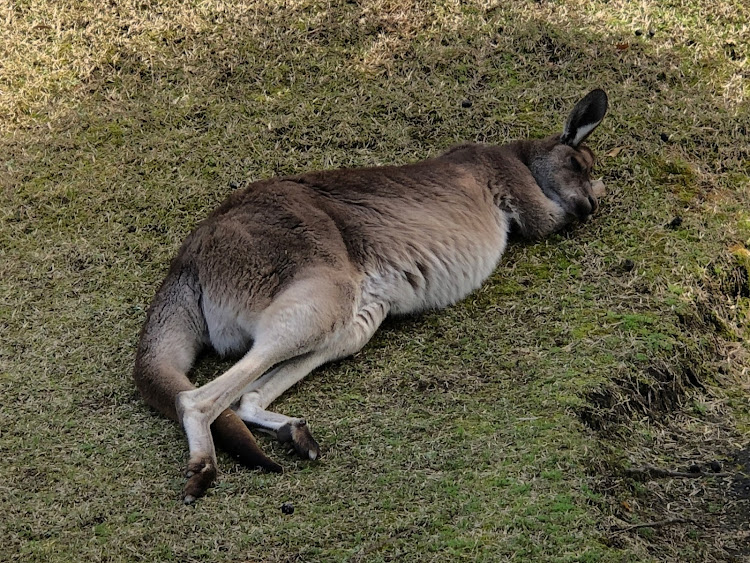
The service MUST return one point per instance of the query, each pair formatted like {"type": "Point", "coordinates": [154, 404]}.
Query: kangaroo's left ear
{"type": "Point", "coordinates": [586, 115]}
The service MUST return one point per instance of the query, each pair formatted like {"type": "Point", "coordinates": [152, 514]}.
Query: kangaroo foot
{"type": "Point", "coordinates": [298, 433]}
{"type": "Point", "coordinates": [200, 473]}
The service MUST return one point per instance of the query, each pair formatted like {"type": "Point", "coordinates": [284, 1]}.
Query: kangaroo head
{"type": "Point", "coordinates": [561, 165]}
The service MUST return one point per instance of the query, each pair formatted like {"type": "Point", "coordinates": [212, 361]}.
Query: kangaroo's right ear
{"type": "Point", "coordinates": [586, 115]}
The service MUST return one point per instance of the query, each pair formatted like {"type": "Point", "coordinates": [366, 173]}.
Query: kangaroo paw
{"type": "Point", "coordinates": [200, 474]}
{"type": "Point", "coordinates": [298, 433]}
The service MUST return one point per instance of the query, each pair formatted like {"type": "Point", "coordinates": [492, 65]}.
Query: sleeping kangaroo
{"type": "Point", "coordinates": [293, 272]}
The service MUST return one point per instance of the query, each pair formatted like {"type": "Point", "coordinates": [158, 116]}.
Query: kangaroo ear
{"type": "Point", "coordinates": [586, 115]}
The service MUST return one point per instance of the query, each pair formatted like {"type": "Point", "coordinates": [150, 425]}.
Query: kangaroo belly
{"type": "Point", "coordinates": [415, 277]}
{"type": "Point", "coordinates": [230, 326]}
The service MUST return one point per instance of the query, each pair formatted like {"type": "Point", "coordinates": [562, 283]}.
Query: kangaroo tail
{"type": "Point", "coordinates": [174, 332]}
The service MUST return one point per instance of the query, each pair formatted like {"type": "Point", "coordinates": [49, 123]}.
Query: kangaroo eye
{"type": "Point", "coordinates": [575, 164]}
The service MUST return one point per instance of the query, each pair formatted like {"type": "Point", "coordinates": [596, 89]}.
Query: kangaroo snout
{"type": "Point", "coordinates": [585, 207]}
{"type": "Point", "coordinates": [594, 204]}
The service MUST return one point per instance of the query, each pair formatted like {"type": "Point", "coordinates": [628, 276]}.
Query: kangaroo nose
{"type": "Point", "coordinates": [594, 204]}
{"type": "Point", "coordinates": [585, 207]}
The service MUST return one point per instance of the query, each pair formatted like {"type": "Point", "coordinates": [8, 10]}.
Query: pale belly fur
{"type": "Point", "coordinates": [437, 273]}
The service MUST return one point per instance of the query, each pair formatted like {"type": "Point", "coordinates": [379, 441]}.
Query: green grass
{"type": "Point", "coordinates": [495, 430]}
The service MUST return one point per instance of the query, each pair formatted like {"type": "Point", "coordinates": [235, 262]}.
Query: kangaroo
{"type": "Point", "coordinates": [291, 273]}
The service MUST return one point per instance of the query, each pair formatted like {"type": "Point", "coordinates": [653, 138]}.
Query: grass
{"type": "Point", "coordinates": [496, 430]}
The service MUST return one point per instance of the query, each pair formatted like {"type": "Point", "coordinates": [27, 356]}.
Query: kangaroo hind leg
{"type": "Point", "coordinates": [252, 406]}
{"type": "Point", "coordinates": [348, 340]}
{"type": "Point", "coordinates": [295, 325]}
{"type": "Point", "coordinates": [174, 332]}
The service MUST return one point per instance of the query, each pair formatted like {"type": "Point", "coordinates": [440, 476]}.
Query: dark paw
{"type": "Point", "coordinates": [200, 475]}
{"type": "Point", "coordinates": [298, 433]}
